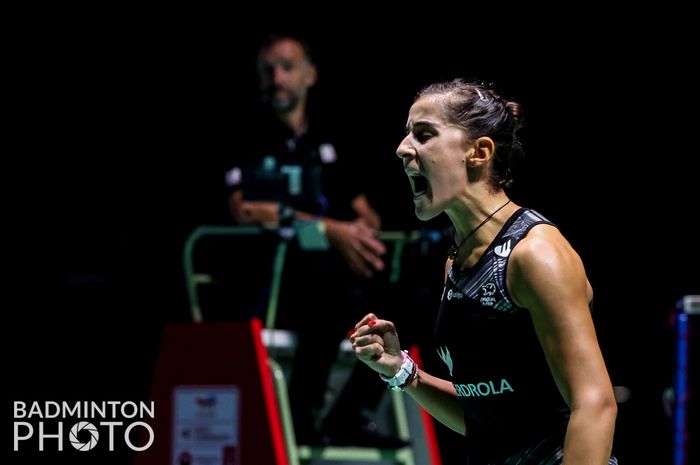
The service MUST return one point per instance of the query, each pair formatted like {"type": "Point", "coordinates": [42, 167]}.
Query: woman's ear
{"type": "Point", "coordinates": [483, 150]}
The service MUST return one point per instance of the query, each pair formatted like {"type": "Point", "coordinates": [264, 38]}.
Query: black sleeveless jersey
{"type": "Point", "coordinates": [497, 365]}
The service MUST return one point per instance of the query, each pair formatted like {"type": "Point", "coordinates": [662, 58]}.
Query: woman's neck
{"type": "Point", "coordinates": [477, 222]}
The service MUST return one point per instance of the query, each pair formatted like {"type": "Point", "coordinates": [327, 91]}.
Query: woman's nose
{"type": "Point", "coordinates": [404, 149]}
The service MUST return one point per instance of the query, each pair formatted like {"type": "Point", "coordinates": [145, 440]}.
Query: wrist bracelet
{"type": "Point", "coordinates": [406, 374]}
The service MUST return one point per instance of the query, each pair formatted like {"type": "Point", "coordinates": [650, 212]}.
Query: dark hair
{"type": "Point", "coordinates": [272, 39]}
{"type": "Point", "coordinates": [482, 112]}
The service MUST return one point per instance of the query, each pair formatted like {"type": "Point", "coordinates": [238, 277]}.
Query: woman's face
{"type": "Point", "coordinates": [434, 154]}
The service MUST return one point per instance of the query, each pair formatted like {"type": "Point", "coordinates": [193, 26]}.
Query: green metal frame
{"type": "Point", "coordinates": [193, 279]}
{"type": "Point", "coordinates": [299, 453]}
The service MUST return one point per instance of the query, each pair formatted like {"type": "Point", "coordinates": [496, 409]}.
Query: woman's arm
{"type": "Point", "coordinates": [439, 398]}
{"type": "Point", "coordinates": [547, 277]}
{"type": "Point", "coordinates": [376, 343]}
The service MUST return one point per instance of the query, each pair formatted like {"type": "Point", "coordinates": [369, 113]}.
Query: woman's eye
{"type": "Point", "coordinates": [423, 136]}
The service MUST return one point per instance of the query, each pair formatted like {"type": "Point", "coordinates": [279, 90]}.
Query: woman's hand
{"type": "Point", "coordinates": [376, 343]}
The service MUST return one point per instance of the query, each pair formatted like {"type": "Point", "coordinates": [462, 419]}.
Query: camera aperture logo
{"type": "Point", "coordinates": [40, 425]}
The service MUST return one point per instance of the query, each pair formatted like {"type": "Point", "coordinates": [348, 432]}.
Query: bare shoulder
{"type": "Point", "coordinates": [544, 246]}
{"type": "Point", "coordinates": [544, 264]}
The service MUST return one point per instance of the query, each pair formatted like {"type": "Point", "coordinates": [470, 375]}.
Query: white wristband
{"type": "Point", "coordinates": [400, 378]}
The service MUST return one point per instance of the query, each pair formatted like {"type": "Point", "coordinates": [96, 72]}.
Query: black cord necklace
{"type": "Point", "coordinates": [452, 252]}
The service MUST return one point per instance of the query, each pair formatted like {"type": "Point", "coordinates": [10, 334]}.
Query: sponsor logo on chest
{"type": "Point", "coordinates": [484, 388]}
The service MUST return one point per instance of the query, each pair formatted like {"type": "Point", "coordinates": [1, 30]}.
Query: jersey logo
{"type": "Point", "coordinates": [294, 178]}
{"type": "Point", "coordinates": [488, 289]}
{"type": "Point", "coordinates": [233, 177]}
{"type": "Point", "coordinates": [503, 250]}
{"type": "Point", "coordinates": [327, 153]}
{"type": "Point", "coordinates": [484, 388]}
{"type": "Point", "coordinates": [454, 295]}
{"type": "Point", "coordinates": [487, 298]}
{"type": "Point", "coordinates": [444, 354]}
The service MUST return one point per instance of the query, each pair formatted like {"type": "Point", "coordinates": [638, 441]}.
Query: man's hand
{"type": "Point", "coordinates": [357, 244]}
{"type": "Point", "coordinates": [376, 343]}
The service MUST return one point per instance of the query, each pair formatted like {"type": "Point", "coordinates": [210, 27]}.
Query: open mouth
{"type": "Point", "coordinates": [419, 184]}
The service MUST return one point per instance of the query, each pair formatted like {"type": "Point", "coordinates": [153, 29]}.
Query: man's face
{"type": "Point", "coordinates": [285, 75]}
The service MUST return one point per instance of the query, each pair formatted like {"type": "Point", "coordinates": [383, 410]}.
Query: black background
{"type": "Point", "coordinates": [118, 136]}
